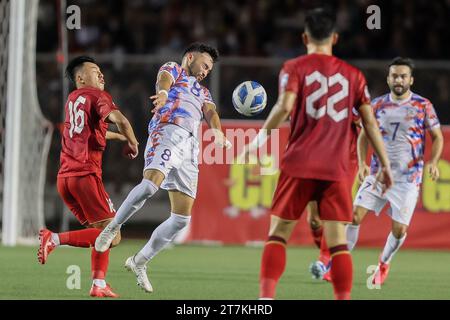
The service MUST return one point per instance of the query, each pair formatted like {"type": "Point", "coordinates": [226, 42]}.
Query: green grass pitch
{"type": "Point", "coordinates": [208, 273]}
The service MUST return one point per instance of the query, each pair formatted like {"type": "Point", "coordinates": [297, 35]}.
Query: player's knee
{"type": "Point", "coordinates": [399, 231]}
{"type": "Point", "coordinates": [358, 216]}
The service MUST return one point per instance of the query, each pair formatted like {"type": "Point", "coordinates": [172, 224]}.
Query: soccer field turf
{"type": "Point", "coordinates": [201, 272]}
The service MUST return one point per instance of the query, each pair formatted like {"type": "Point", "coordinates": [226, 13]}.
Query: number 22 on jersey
{"type": "Point", "coordinates": [325, 84]}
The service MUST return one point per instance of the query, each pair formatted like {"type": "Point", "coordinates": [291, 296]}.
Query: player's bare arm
{"type": "Point", "coordinates": [163, 85]}
{"type": "Point", "coordinates": [213, 121]}
{"type": "Point", "coordinates": [125, 129]}
{"type": "Point", "coordinates": [436, 150]}
{"type": "Point", "coordinates": [363, 168]}
{"type": "Point", "coordinates": [373, 134]}
{"type": "Point", "coordinates": [279, 113]}
{"type": "Point", "coordinates": [110, 135]}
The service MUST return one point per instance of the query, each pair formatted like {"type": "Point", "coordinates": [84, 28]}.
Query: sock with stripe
{"type": "Point", "coordinates": [341, 271]}
{"type": "Point", "coordinates": [273, 264]}
{"type": "Point", "coordinates": [80, 238]}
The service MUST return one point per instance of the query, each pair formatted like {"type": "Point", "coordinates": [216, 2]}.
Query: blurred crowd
{"type": "Point", "coordinates": [416, 28]}
{"type": "Point", "coordinates": [249, 28]}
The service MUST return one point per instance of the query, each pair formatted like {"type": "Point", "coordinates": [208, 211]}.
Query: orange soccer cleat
{"type": "Point", "coordinates": [381, 273]}
{"type": "Point", "coordinates": [46, 245]}
{"type": "Point", "coordinates": [105, 292]}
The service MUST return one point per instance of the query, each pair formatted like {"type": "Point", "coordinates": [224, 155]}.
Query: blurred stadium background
{"type": "Point", "coordinates": [131, 39]}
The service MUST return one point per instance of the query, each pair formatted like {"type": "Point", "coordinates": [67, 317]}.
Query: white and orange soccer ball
{"type": "Point", "coordinates": [249, 98]}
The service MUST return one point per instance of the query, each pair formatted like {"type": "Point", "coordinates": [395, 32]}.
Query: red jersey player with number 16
{"type": "Point", "coordinates": [319, 92]}
{"type": "Point", "coordinates": [87, 113]}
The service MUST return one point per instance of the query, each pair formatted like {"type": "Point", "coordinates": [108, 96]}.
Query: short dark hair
{"type": "Point", "coordinates": [320, 23]}
{"type": "Point", "coordinates": [201, 47]}
{"type": "Point", "coordinates": [400, 61]}
{"type": "Point", "coordinates": [74, 65]}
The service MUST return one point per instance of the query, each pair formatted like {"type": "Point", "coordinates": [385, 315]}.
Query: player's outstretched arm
{"type": "Point", "coordinates": [110, 135]}
{"type": "Point", "coordinates": [213, 121]}
{"type": "Point", "coordinates": [363, 143]}
{"type": "Point", "coordinates": [163, 85]}
{"type": "Point", "coordinates": [376, 140]}
{"type": "Point", "coordinates": [279, 113]}
{"type": "Point", "coordinates": [125, 129]}
{"type": "Point", "coordinates": [436, 151]}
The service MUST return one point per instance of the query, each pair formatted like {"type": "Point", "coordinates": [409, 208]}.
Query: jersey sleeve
{"type": "Point", "coordinates": [362, 91]}
{"type": "Point", "coordinates": [431, 119]}
{"type": "Point", "coordinates": [208, 97]}
{"type": "Point", "coordinates": [104, 105]}
{"type": "Point", "coordinates": [288, 79]}
{"type": "Point", "coordinates": [172, 68]}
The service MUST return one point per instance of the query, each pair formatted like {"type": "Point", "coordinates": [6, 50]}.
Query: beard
{"type": "Point", "coordinates": [399, 90]}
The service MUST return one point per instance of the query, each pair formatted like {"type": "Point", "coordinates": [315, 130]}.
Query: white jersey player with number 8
{"type": "Point", "coordinates": [171, 153]}
{"type": "Point", "coordinates": [403, 118]}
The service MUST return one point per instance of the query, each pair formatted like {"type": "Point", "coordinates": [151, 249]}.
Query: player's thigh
{"type": "Point", "coordinates": [291, 196]}
{"type": "Point", "coordinates": [402, 198]}
{"type": "Point", "coordinates": [102, 225]}
{"type": "Point", "coordinates": [281, 227]}
{"type": "Point", "coordinates": [164, 151]}
{"type": "Point", "coordinates": [335, 201]}
{"type": "Point", "coordinates": [180, 203]}
{"type": "Point", "coordinates": [93, 199]}
{"type": "Point", "coordinates": [312, 216]}
{"type": "Point", "coordinates": [335, 233]}
{"type": "Point", "coordinates": [369, 196]}
{"type": "Point", "coordinates": [69, 200]}
{"type": "Point", "coordinates": [358, 214]}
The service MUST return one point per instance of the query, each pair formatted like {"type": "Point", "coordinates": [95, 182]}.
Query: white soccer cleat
{"type": "Point", "coordinates": [105, 238]}
{"type": "Point", "coordinates": [141, 274]}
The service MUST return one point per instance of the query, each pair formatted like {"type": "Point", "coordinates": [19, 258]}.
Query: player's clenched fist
{"type": "Point", "coordinates": [131, 150]}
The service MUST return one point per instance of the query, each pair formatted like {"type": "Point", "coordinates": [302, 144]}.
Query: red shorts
{"type": "Point", "coordinates": [86, 198]}
{"type": "Point", "coordinates": [334, 198]}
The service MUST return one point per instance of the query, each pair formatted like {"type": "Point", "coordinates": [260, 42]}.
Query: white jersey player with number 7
{"type": "Point", "coordinates": [403, 118]}
{"type": "Point", "coordinates": [171, 156]}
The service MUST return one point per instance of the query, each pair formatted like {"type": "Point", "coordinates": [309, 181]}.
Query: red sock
{"type": "Point", "coordinates": [341, 272]}
{"type": "Point", "coordinates": [324, 252]}
{"type": "Point", "coordinates": [272, 266]}
{"type": "Point", "coordinates": [99, 264]}
{"type": "Point", "coordinates": [80, 238]}
{"type": "Point", "coordinates": [317, 235]}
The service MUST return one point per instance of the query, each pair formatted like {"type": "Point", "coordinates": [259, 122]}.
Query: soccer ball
{"type": "Point", "coordinates": [249, 98]}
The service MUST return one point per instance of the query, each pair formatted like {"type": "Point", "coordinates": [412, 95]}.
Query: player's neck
{"type": "Point", "coordinates": [401, 98]}
{"type": "Point", "coordinates": [319, 49]}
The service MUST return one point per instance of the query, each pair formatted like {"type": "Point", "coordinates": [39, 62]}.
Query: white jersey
{"type": "Point", "coordinates": [185, 102]}
{"type": "Point", "coordinates": [403, 125]}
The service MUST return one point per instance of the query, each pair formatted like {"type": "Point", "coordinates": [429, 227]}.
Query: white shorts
{"type": "Point", "coordinates": [174, 151]}
{"type": "Point", "coordinates": [402, 198]}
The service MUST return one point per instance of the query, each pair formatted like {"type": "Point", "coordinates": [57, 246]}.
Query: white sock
{"type": "Point", "coordinates": [161, 237]}
{"type": "Point", "coordinates": [352, 235]}
{"type": "Point", "coordinates": [134, 201]}
{"type": "Point", "coordinates": [55, 239]}
{"type": "Point", "coordinates": [99, 283]}
{"type": "Point", "coordinates": [391, 247]}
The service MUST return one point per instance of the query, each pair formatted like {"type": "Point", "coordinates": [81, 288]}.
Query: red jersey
{"type": "Point", "coordinates": [322, 136]}
{"type": "Point", "coordinates": [84, 135]}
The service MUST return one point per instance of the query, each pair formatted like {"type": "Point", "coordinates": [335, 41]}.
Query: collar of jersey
{"type": "Point", "coordinates": [407, 99]}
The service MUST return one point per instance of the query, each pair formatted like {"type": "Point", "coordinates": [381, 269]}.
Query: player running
{"type": "Point", "coordinates": [171, 156]}
{"type": "Point", "coordinates": [319, 92]}
{"type": "Point", "coordinates": [88, 111]}
{"type": "Point", "coordinates": [403, 117]}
